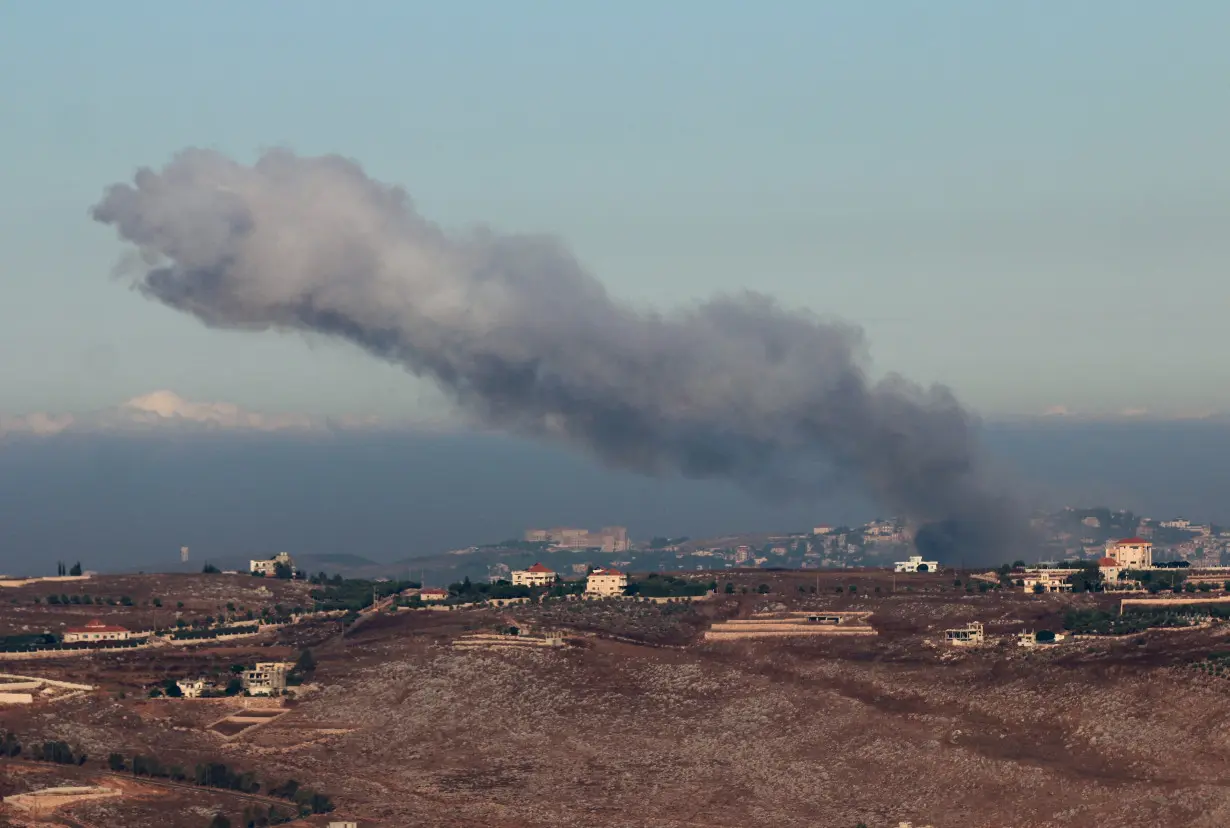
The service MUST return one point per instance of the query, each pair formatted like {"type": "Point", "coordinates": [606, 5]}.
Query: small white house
{"type": "Point", "coordinates": [916, 564]}
{"type": "Point", "coordinates": [95, 630]}
{"type": "Point", "coordinates": [536, 575]}
{"type": "Point", "coordinates": [191, 688]}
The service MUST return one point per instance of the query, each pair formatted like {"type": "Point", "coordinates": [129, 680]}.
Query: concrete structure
{"type": "Point", "coordinates": [822, 529]}
{"type": "Point", "coordinates": [1132, 553]}
{"type": "Point", "coordinates": [916, 564]}
{"type": "Point", "coordinates": [269, 567]}
{"type": "Point", "coordinates": [343, 825]}
{"type": "Point", "coordinates": [536, 575]}
{"type": "Point", "coordinates": [1028, 638]}
{"type": "Point", "coordinates": [1051, 580]}
{"type": "Point", "coordinates": [792, 624]}
{"type": "Point", "coordinates": [191, 688]}
{"type": "Point", "coordinates": [267, 678]}
{"type": "Point", "coordinates": [432, 594]}
{"type": "Point", "coordinates": [95, 631]}
{"type": "Point", "coordinates": [608, 538]}
{"type": "Point", "coordinates": [606, 582]}
{"type": "Point", "coordinates": [971, 635]}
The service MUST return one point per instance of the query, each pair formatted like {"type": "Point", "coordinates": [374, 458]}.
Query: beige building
{"type": "Point", "coordinates": [1110, 569]}
{"type": "Point", "coordinates": [267, 678]}
{"type": "Point", "coordinates": [536, 575]}
{"type": "Point", "coordinates": [95, 630]}
{"type": "Point", "coordinates": [1132, 553]}
{"type": "Point", "coordinates": [1051, 580]}
{"type": "Point", "coordinates": [608, 538]}
{"type": "Point", "coordinates": [269, 568]}
{"type": "Point", "coordinates": [606, 582]}
{"type": "Point", "coordinates": [431, 594]}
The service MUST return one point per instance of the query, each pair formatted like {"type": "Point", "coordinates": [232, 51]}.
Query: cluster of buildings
{"type": "Point", "coordinates": [607, 539]}
{"type": "Point", "coordinates": [265, 678]}
{"type": "Point", "coordinates": [599, 582]}
{"type": "Point", "coordinates": [1120, 556]}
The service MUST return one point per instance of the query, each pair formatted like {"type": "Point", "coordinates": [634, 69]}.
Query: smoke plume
{"type": "Point", "coordinates": [519, 334]}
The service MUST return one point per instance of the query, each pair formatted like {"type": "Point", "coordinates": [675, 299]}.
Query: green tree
{"type": "Point", "coordinates": [171, 687]}
{"type": "Point", "coordinates": [283, 571]}
{"type": "Point", "coordinates": [76, 570]}
{"type": "Point", "coordinates": [730, 588]}
{"type": "Point", "coordinates": [763, 589]}
{"type": "Point", "coordinates": [116, 762]}
{"type": "Point", "coordinates": [210, 569]}
{"type": "Point", "coordinates": [306, 662]}
{"type": "Point", "coordinates": [219, 821]}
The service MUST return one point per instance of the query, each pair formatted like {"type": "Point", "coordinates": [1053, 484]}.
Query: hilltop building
{"type": "Point", "coordinates": [95, 630]}
{"type": "Point", "coordinates": [431, 594]}
{"type": "Point", "coordinates": [606, 582]}
{"type": "Point", "coordinates": [916, 564]}
{"type": "Point", "coordinates": [608, 538]}
{"type": "Point", "coordinates": [1132, 553]}
{"type": "Point", "coordinates": [822, 529]}
{"type": "Point", "coordinates": [267, 678]}
{"type": "Point", "coordinates": [269, 567]}
{"type": "Point", "coordinates": [536, 575]}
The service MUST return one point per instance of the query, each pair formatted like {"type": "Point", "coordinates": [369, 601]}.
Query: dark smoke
{"type": "Point", "coordinates": [517, 333]}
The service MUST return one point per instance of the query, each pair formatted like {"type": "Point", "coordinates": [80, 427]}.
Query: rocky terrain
{"type": "Point", "coordinates": [643, 725]}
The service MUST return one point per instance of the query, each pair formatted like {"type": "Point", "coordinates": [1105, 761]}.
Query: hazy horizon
{"type": "Point", "coordinates": [131, 500]}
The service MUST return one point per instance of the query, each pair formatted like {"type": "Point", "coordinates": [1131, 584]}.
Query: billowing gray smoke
{"type": "Point", "coordinates": [518, 333]}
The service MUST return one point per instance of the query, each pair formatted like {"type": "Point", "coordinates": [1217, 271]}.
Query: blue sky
{"type": "Point", "coordinates": [1029, 202]}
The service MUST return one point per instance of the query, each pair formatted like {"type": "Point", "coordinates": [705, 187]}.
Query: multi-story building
{"type": "Point", "coordinates": [1132, 553]}
{"type": "Point", "coordinates": [608, 538]}
{"type": "Point", "coordinates": [606, 582]}
{"type": "Point", "coordinates": [269, 567]}
{"type": "Point", "coordinates": [536, 575]}
{"type": "Point", "coordinates": [95, 630]}
{"type": "Point", "coordinates": [267, 678]}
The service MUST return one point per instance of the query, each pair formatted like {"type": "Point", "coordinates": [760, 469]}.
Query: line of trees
{"type": "Point", "coordinates": [62, 569]}
{"type": "Point", "coordinates": [221, 775]}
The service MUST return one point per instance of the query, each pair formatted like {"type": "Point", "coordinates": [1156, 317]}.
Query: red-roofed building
{"type": "Point", "coordinates": [96, 630]}
{"type": "Point", "coordinates": [1109, 567]}
{"type": "Point", "coordinates": [606, 582]}
{"type": "Point", "coordinates": [1132, 553]}
{"type": "Point", "coordinates": [536, 575]}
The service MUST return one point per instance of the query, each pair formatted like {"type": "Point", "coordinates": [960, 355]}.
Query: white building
{"type": "Point", "coordinates": [266, 678]}
{"type": "Point", "coordinates": [269, 567]}
{"type": "Point", "coordinates": [536, 575]}
{"type": "Point", "coordinates": [1132, 553]}
{"type": "Point", "coordinates": [606, 582]}
{"type": "Point", "coordinates": [191, 688]}
{"type": "Point", "coordinates": [95, 630]}
{"type": "Point", "coordinates": [916, 564]}
{"type": "Point", "coordinates": [430, 595]}
{"type": "Point", "coordinates": [822, 529]}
